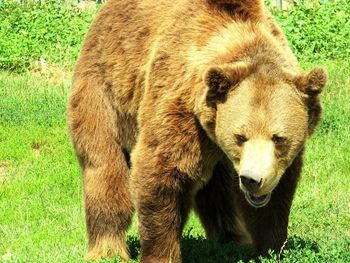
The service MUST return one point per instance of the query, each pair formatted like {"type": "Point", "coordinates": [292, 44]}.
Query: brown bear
{"type": "Point", "coordinates": [189, 104]}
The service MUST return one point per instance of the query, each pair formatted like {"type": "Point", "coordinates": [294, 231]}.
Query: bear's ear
{"type": "Point", "coordinates": [220, 79]}
{"type": "Point", "coordinates": [313, 82]}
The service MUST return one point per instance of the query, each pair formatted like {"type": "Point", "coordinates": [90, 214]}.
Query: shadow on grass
{"type": "Point", "coordinates": [298, 243]}
{"type": "Point", "coordinates": [199, 249]}
{"type": "Point", "coordinates": [134, 246]}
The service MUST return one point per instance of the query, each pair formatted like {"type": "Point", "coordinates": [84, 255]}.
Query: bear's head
{"type": "Point", "coordinates": [260, 118]}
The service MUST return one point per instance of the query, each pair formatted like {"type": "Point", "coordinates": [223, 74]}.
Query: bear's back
{"type": "Point", "coordinates": [126, 35]}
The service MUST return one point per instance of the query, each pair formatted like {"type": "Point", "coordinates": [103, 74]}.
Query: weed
{"type": "Point", "coordinates": [317, 31]}
{"type": "Point", "coordinates": [41, 31]}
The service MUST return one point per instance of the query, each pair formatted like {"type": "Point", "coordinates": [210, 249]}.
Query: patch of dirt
{"type": "Point", "coordinates": [36, 148]}
{"type": "Point", "coordinates": [347, 233]}
{"type": "Point", "coordinates": [3, 172]}
{"type": "Point", "coordinates": [7, 257]}
{"type": "Point", "coordinates": [82, 5]}
{"type": "Point", "coordinates": [51, 73]}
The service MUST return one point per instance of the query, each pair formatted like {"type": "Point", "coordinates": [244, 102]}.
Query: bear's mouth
{"type": "Point", "coordinates": [257, 201]}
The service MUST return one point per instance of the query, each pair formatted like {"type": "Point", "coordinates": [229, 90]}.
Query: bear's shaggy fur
{"type": "Point", "coordinates": [187, 88]}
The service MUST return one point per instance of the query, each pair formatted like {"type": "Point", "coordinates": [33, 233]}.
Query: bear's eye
{"type": "Point", "coordinates": [279, 140]}
{"type": "Point", "coordinates": [240, 139]}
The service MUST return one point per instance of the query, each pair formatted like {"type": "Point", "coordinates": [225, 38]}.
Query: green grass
{"type": "Point", "coordinates": [53, 31]}
{"type": "Point", "coordinates": [31, 31]}
{"type": "Point", "coordinates": [41, 209]}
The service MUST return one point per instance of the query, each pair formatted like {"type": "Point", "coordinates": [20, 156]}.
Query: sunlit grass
{"type": "Point", "coordinates": [41, 209]}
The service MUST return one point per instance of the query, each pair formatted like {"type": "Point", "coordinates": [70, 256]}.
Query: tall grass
{"type": "Point", "coordinates": [34, 31]}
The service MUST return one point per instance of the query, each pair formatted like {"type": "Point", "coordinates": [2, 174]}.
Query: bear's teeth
{"type": "Point", "coordinates": [257, 201]}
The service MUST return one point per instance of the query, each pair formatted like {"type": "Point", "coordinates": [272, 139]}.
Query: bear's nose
{"type": "Point", "coordinates": [252, 184]}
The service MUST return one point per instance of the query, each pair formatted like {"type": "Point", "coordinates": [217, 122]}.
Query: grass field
{"type": "Point", "coordinates": [41, 209]}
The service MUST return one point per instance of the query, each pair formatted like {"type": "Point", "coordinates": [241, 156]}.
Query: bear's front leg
{"type": "Point", "coordinates": [163, 203]}
{"type": "Point", "coordinates": [166, 164]}
{"type": "Point", "coordinates": [162, 195]}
